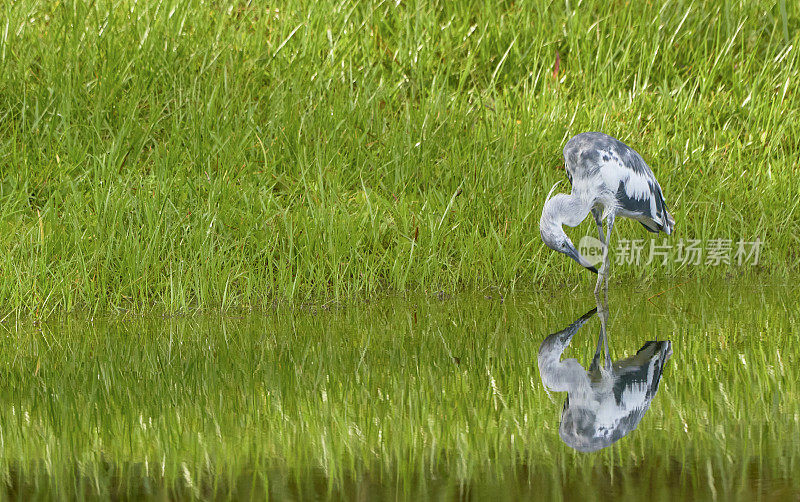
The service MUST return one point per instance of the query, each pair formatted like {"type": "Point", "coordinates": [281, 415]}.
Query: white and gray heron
{"type": "Point", "coordinates": [609, 179]}
{"type": "Point", "coordinates": [607, 402]}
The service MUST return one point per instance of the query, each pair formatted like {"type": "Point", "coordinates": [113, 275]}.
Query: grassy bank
{"type": "Point", "coordinates": [224, 154]}
{"type": "Point", "coordinates": [401, 397]}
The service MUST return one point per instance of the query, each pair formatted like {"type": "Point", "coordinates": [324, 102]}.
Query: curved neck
{"type": "Point", "coordinates": [573, 209]}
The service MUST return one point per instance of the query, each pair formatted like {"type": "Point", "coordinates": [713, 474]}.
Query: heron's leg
{"type": "Point", "coordinates": [598, 219]}
{"type": "Point", "coordinates": [606, 274]}
{"type": "Point", "coordinates": [596, 358]}
{"type": "Point", "coordinates": [597, 288]}
{"type": "Point", "coordinates": [605, 341]}
{"type": "Point", "coordinates": [602, 273]}
{"type": "Point", "coordinates": [602, 342]}
{"type": "Point", "coordinates": [607, 257]}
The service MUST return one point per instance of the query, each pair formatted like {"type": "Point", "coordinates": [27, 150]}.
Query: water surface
{"type": "Point", "coordinates": [411, 397]}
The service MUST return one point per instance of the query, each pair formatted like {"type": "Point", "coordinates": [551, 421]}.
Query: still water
{"type": "Point", "coordinates": [416, 397]}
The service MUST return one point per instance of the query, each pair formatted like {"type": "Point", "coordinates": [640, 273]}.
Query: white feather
{"type": "Point", "coordinates": [637, 187]}
{"type": "Point", "coordinates": [550, 193]}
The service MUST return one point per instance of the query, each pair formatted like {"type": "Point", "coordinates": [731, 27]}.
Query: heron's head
{"type": "Point", "coordinates": [556, 210]}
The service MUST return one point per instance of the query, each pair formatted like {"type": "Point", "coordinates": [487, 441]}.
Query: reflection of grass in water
{"type": "Point", "coordinates": [224, 154]}
{"type": "Point", "coordinates": [370, 397]}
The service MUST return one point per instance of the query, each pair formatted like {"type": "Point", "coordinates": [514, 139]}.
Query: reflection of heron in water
{"type": "Point", "coordinates": [607, 402]}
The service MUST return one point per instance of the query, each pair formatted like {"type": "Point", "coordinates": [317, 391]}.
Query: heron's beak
{"type": "Point", "coordinates": [585, 317]}
{"type": "Point", "coordinates": [575, 255]}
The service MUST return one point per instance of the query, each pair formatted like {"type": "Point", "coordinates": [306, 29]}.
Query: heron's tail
{"type": "Point", "coordinates": [670, 223]}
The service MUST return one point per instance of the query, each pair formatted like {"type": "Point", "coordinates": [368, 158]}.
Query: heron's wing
{"type": "Point", "coordinates": [595, 160]}
{"type": "Point", "coordinates": [608, 414]}
{"type": "Point", "coordinates": [637, 190]}
{"type": "Point", "coordinates": [642, 371]}
{"type": "Point", "coordinates": [640, 196]}
{"type": "Point", "coordinates": [590, 425]}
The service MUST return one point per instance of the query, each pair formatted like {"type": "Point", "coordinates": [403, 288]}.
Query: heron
{"type": "Point", "coordinates": [608, 179]}
{"type": "Point", "coordinates": [607, 402]}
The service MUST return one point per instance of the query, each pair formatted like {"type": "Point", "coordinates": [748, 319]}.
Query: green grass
{"type": "Point", "coordinates": [204, 155]}
{"type": "Point", "coordinates": [404, 397]}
